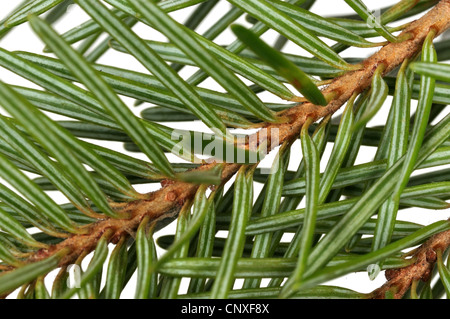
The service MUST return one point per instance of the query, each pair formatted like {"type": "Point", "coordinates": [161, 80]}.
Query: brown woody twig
{"type": "Point", "coordinates": [167, 202]}
{"type": "Point", "coordinates": [400, 280]}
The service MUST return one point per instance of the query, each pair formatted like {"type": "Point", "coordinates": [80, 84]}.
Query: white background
{"type": "Point", "coordinates": [22, 38]}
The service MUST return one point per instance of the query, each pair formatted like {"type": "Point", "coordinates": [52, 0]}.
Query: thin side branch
{"type": "Point", "coordinates": [400, 280]}
{"type": "Point", "coordinates": [167, 202]}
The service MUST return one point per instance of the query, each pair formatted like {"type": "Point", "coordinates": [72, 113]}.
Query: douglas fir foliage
{"type": "Point", "coordinates": [241, 229]}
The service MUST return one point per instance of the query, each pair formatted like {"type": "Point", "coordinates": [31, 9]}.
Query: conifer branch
{"type": "Point", "coordinates": [425, 257]}
{"type": "Point", "coordinates": [167, 202]}
{"type": "Point", "coordinates": [163, 205]}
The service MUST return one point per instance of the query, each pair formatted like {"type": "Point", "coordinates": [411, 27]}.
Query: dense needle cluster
{"type": "Point", "coordinates": [243, 230]}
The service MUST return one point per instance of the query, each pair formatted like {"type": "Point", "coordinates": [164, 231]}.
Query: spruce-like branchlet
{"type": "Point", "coordinates": [121, 211]}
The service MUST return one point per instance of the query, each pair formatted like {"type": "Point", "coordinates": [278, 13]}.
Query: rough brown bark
{"type": "Point", "coordinates": [400, 280]}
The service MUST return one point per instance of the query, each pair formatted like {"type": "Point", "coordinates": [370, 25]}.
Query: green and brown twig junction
{"type": "Point", "coordinates": [133, 217]}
